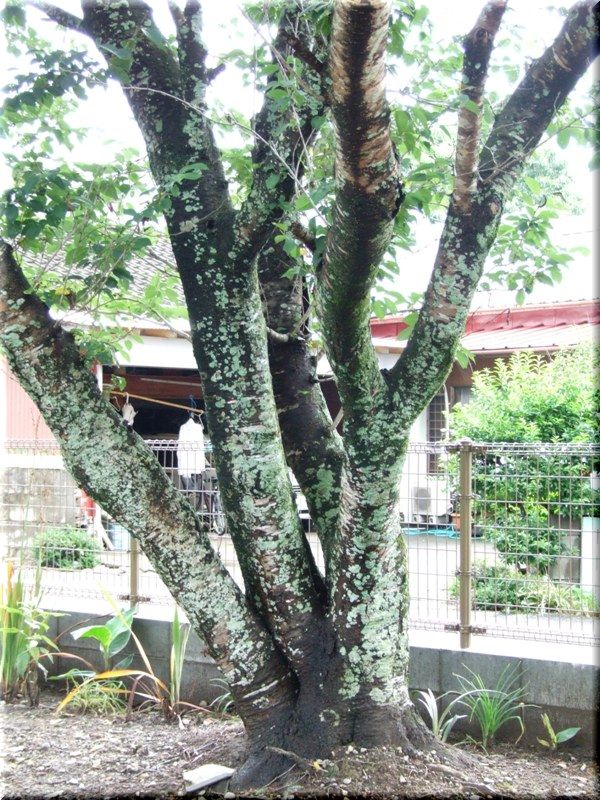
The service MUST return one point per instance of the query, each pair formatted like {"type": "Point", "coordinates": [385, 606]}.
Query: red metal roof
{"type": "Point", "coordinates": [539, 328]}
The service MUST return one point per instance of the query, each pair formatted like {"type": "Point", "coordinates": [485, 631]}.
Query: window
{"type": "Point", "coordinates": [436, 427]}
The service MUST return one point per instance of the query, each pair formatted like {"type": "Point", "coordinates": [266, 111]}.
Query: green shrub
{"type": "Point", "coordinates": [525, 539]}
{"type": "Point", "coordinates": [66, 548]}
{"type": "Point", "coordinates": [498, 587]}
{"type": "Point", "coordinates": [530, 399]}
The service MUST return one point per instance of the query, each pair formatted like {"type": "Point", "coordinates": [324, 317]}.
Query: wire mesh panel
{"type": "Point", "coordinates": [430, 534]}
{"type": "Point", "coordinates": [534, 531]}
{"type": "Point", "coordinates": [536, 507]}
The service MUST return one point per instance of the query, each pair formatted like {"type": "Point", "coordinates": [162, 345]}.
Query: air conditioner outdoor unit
{"type": "Point", "coordinates": [421, 500]}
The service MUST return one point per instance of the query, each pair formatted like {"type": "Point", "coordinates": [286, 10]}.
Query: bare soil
{"type": "Point", "coordinates": [84, 756]}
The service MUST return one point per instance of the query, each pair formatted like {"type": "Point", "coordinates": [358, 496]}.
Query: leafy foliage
{"type": "Point", "coordinates": [113, 636]}
{"type": "Point", "coordinates": [519, 499]}
{"type": "Point", "coordinates": [24, 639]}
{"type": "Point", "coordinates": [66, 548]}
{"type": "Point", "coordinates": [500, 587]}
{"type": "Point", "coordinates": [526, 539]}
{"type": "Point", "coordinates": [530, 399]}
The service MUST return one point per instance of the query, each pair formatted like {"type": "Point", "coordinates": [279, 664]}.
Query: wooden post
{"type": "Point", "coordinates": [134, 571]}
{"type": "Point", "coordinates": [465, 600]}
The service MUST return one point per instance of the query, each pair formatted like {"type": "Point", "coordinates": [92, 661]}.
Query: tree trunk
{"type": "Point", "coordinates": [314, 661]}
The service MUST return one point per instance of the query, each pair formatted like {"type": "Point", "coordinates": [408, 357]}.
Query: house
{"type": "Point", "coordinates": [160, 373]}
{"type": "Point", "coordinates": [161, 379]}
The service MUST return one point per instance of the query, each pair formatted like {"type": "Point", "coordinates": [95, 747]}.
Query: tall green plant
{"type": "Point", "coordinates": [24, 636]}
{"type": "Point", "coordinates": [491, 709]}
{"type": "Point", "coordinates": [179, 638]}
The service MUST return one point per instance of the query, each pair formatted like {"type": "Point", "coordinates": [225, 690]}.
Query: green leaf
{"type": "Point", "coordinates": [13, 14]}
{"type": "Point", "coordinates": [566, 734]}
{"type": "Point", "coordinates": [272, 181]}
{"type": "Point", "coordinates": [469, 104]}
{"type": "Point", "coordinates": [98, 632]}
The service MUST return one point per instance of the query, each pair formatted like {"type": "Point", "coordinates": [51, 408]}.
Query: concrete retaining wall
{"type": "Point", "coordinates": [562, 680]}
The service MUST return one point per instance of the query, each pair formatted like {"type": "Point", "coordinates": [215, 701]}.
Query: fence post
{"type": "Point", "coordinates": [134, 571]}
{"type": "Point", "coordinates": [465, 598]}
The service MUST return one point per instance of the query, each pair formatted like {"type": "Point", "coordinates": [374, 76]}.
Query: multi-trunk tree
{"type": "Point", "coordinates": [313, 660]}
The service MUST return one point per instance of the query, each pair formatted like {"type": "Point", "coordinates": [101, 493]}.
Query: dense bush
{"type": "Point", "coordinates": [529, 399]}
{"type": "Point", "coordinates": [522, 497]}
{"type": "Point", "coordinates": [499, 587]}
{"type": "Point", "coordinates": [66, 548]}
{"type": "Point", "coordinates": [525, 539]}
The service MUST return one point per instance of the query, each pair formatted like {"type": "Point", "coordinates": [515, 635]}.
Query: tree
{"type": "Point", "coordinates": [312, 660]}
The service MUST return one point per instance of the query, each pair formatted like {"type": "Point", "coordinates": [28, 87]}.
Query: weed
{"type": "Point", "coordinates": [179, 637]}
{"type": "Point", "coordinates": [556, 737]}
{"type": "Point", "coordinates": [223, 704]}
{"type": "Point", "coordinates": [112, 637]}
{"type": "Point", "coordinates": [23, 636]}
{"type": "Point", "coordinates": [100, 697]}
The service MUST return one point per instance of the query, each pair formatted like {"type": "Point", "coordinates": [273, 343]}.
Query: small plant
{"type": "Point", "coordinates": [223, 704]}
{"type": "Point", "coordinates": [492, 708]}
{"type": "Point", "coordinates": [112, 637]}
{"type": "Point", "coordinates": [556, 737]}
{"type": "Point", "coordinates": [179, 637]}
{"type": "Point", "coordinates": [441, 724]}
{"type": "Point", "coordinates": [66, 548]}
{"type": "Point", "coordinates": [100, 697]}
{"type": "Point", "coordinates": [106, 689]}
{"type": "Point", "coordinates": [24, 637]}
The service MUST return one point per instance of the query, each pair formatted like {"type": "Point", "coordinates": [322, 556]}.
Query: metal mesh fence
{"type": "Point", "coordinates": [529, 524]}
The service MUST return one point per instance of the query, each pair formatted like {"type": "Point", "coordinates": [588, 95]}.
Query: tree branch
{"type": "Point", "coordinates": [469, 234]}
{"type": "Point", "coordinates": [546, 85]}
{"type": "Point", "coordinates": [303, 235]}
{"type": "Point", "coordinates": [62, 18]}
{"type": "Point", "coordinates": [478, 47]}
{"type": "Point", "coordinates": [368, 195]}
{"type": "Point", "coordinates": [304, 53]}
{"type": "Point", "coordinates": [192, 53]}
{"type": "Point", "coordinates": [282, 137]}
{"type": "Point", "coordinates": [312, 446]}
{"type": "Point", "coordinates": [118, 470]}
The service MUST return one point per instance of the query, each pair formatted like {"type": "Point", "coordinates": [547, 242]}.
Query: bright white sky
{"type": "Point", "coordinates": [107, 117]}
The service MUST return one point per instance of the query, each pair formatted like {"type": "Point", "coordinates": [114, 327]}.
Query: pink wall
{"type": "Point", "coordinates": [23, 420]}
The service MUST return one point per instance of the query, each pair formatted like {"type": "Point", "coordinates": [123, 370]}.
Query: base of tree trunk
{"type": "Point", "coordinates": [301, 744]}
